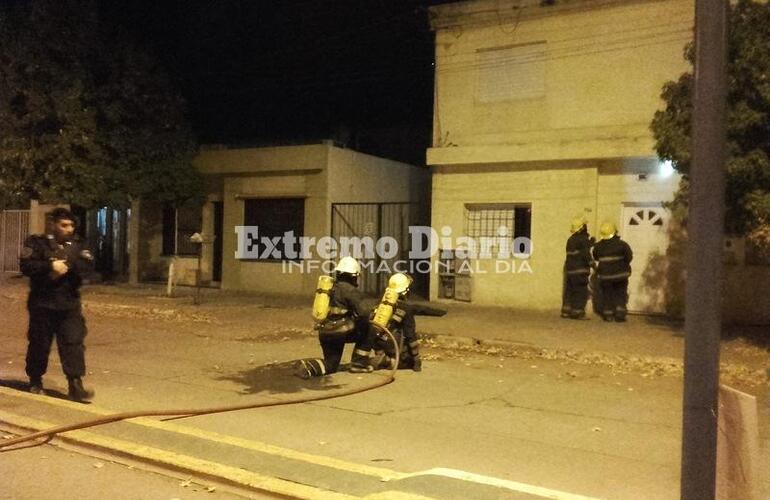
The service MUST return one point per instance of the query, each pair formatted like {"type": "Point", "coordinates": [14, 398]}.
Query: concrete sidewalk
{"type": "Point", "coordinates": [641, 336]}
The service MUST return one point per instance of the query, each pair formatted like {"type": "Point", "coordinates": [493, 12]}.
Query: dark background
{"type": "Point", "coordinates": [264, 72]}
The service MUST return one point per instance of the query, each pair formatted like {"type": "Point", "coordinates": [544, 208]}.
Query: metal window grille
{"type": "Point", "coordinates": [485, 220]}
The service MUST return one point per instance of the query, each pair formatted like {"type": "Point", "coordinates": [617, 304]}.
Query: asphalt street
{"type": "Point", "coordinates": [487, 418]}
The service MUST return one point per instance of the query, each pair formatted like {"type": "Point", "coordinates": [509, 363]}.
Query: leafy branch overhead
{"type": "Point", "coordinates": [87, 116]}
{"type": "Point", "coordinates": [748, 120]}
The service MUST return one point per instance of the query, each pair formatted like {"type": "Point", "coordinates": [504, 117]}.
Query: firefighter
{"type": "Point", "coordinates": [577, 268]}
{"type": "Point", "coordinates": [614, 267]}
{"type": "Point", "coordinates": [345, 323]}
{"type": "Point", "coordinates": [403, 327]}
{"type": "Point", "coordinates": [56, 264]}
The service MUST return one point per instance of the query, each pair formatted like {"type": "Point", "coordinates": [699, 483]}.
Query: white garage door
{"type": "Point", "coordinates": [645, 228]}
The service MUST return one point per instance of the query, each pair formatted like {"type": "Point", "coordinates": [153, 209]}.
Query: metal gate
{"type": "Point", "coordinates": [378, 220]}
{"type": "Point", "coordinates": [14, 229]}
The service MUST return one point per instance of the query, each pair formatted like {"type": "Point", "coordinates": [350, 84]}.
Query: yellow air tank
{"type": "Point", "coordinates": [322, 298]}
{"type": "Point", "coordinates": [384, 310]}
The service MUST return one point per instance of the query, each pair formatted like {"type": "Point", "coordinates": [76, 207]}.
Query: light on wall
{"type": "Point", "coordinates": [666, 168]}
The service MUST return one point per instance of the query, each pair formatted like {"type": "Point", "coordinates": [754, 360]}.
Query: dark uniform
{"type": "Point", "coordinates": [348, 322]}
{"type": "Point", "coordinates": [614, 267]}
{"type": "Point", "coordinates": [54, 304]}
{"type": "Point", "coordinates": [404, 328]}
{"type": "Point", "coordinates": [577, 268]}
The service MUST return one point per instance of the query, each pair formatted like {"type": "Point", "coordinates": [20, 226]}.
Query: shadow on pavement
{"type": "Point", "coordinates": [758, 336]}
{"type": "Point", "coordinates": [278, 378]}
{"type": "Point", "coordinates": [676, 326]}
{"type": "Point", "coordinates": [24, 387]}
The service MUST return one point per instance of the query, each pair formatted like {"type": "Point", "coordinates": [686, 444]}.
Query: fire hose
{"type": "Point", "coordinates": [184, 413]}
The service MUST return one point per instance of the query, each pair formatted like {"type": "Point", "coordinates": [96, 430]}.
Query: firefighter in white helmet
{"type": "Point", "coordinates": [401, 324]}
{"type": "Point", "coordinates": [345, 323]}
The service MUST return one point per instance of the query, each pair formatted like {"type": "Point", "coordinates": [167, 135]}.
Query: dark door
{"type": "Point", "coordinates": [218, 231]}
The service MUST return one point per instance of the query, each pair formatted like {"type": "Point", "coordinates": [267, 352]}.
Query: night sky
{"type": "Point", "coordinates": [286, 71]}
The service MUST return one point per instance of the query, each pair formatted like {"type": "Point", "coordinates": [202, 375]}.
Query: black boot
{"type": "Point", "coordinates": [36, 385]}
{"type": "Point", "coordinates": [77, 392]}
{"type": "Point", "coordinates": [417, 364]}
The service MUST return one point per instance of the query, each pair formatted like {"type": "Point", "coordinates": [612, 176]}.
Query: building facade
{"type": "Point", "coordinates": [542, 114]}
{"type": "Point", "coordinates": [315, 191]}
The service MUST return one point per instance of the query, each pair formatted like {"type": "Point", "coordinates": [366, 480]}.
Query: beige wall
{"type": "Point", "coordinates": [558, 191]}
{"type": "Point", "coordinates": [357, 177]}
{"type": "Point", "coordinates": [619, 182]}
{"type": "Point", "coordinates": [322, 174]}
{"type": "Point", "coordinates": [579, 147]}
{"type": "Point", "coordinates": [290, 171]}
{"type": "Point", "coordinates": [603, 76]}
{"type": "Point", "coordinates": [556, 194]}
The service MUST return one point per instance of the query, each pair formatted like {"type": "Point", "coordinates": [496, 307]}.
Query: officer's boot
{"type": "Point", "coordinates": [36, 385]}
{"type": "Point", "coordinates": [77, 392]}
{"type": "Point", "coordinates": [414, 350]}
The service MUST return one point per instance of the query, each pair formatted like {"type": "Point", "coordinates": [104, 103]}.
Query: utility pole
{"type": "Point", "coordinates": [703, 301]}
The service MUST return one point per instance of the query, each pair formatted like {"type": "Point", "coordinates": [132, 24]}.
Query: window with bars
{"type": "Point", "coordinates": [484, 220]}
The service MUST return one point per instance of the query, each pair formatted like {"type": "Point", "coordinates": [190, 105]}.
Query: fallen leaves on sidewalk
{"type": "Point", "coordinates": [646, 366]}
{"type": "Point", "coordinates": [134, 312]}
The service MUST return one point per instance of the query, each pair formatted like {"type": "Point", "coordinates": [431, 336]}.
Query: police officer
{"type": "Point", "coordinates": [347, 322]}
{"type": "Point", "coordinates": [56, 264]}
{"type": "Point", "coordinates": [614, 267]}
{"type": "Point", "coordinates": [403, 327]}
{"type": "Point", "coordinates": [577, 268]}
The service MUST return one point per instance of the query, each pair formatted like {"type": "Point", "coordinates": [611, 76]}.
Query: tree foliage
{"type": "Point", "coordinates": [748, 120]}
{"type": "Point", "coordinates": [87, 116]}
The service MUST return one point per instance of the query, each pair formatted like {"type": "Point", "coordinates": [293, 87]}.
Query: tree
{"type": "Point", "coordinates": [86, 115]}
{"type": "Point", "coordinates": [748, 122]}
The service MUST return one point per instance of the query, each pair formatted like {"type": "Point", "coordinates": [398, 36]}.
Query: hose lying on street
{"type": "Point", "coordinates": [183, 413]}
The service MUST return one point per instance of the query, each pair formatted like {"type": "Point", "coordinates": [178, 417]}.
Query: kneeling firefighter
{"type": "Point", "coordinates": [341, 312]}
{"type": "Point", "coordinates": [396, 314]}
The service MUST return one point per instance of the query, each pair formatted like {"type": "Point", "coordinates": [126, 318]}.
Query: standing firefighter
{"type": "Point", "coordinates": [342, 313]}
{"type": "Point", "coordinates": [577, 268]}
{"type": "Point", "coordinates": [614, 267]}
{"type": "Point", "coordinates": [56, 264]}
{"type": "Point", "coordinates": [398, 315]}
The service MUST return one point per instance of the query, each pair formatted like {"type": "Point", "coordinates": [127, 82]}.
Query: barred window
{"type": "Point", "coordinates": [483, 220]}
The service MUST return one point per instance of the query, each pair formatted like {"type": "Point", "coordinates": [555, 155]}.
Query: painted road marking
{"type": "Point", "coordinates": [381, 473]}
{"type": "Point", "coordinates": [500, 483]}
{"type": "Point", "coordinates": [178, 461]}
{"type": "Point", "coordinates": [367, 470]}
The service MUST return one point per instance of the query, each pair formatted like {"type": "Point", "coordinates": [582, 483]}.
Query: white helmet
{"type": "Point", "coordinates": [348, 265]}
{"type": "Point", "coordinates": [399, 282]}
